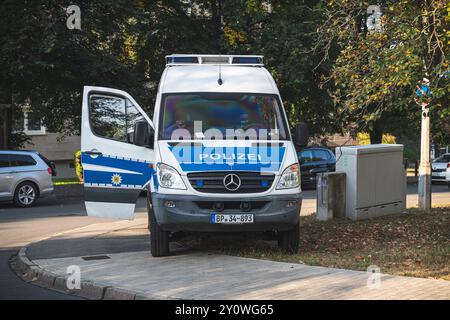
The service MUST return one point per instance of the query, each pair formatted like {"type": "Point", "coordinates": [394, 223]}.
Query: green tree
{"type": "Point", "coordinates": [284, 32]}
{"type": "Point", "coordinates": [46, 64]}
{"type": "Point", "coordinates": [122, 44]}
{"type": "Point", "coordinates": [375, 75]}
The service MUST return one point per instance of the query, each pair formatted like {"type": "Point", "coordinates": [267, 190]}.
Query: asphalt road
{"type": "Point", "coordinates": [19, 227]}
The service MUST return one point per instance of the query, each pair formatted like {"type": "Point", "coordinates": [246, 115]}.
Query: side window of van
{"type": "Point", "coordinates": [107, 116]}
{"type": "Point", "coordinates": [21, 160]}
{"type": "Point", "coordinates": [4, 161]}
{"type": "Point", "coordinates": [113, 117]}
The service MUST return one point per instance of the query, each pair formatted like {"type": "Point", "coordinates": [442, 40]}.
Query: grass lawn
{"type": "Point", "coordinates": [413, 244]}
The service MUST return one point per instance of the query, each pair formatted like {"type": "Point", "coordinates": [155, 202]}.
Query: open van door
{"type": "Point", "coordinates": [115, 167]}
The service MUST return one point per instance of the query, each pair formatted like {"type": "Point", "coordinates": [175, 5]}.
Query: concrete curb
{"type": "Point", "coordinates": [33, 273]}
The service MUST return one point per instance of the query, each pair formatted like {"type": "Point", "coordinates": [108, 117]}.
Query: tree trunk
{"type": "Point", "coordinates": [376, 134]}
{"type": "Point", "coordinates": [6, 115]}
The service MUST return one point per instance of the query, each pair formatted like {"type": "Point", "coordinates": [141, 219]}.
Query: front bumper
{"type": "Point", "coordinates": [191, 213]}
{"type": "Point", "coordinates": [440, 176]}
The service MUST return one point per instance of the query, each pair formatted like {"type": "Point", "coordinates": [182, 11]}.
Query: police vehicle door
{"type": "Point", "coordinates": [115, 169]}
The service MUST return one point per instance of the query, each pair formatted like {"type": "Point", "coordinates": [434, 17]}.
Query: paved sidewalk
{"type": "Point", "coordinates": [128, 271]}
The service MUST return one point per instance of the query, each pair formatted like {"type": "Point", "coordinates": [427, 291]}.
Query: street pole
{"type": "Point", "coordinates": [425, 167]}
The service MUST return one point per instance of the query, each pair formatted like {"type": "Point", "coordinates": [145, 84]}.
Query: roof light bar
{"type": "Point", "coordinates": [196, 59]}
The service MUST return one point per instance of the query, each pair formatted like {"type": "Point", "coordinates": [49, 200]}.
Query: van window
{"type": "Point", "coordinates": [107, 116]}
{"type": "Point", "coordinates": [20, 160]}
{"type": "Point", "coordinates": [113, 117]}
{"type": "Point", "coordinates": [4, 161]}
{"type": "Point", "coordinates": [227, 114]}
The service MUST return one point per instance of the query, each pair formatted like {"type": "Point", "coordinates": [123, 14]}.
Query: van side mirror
{"type": "Point", "coordinates": [143, 134]}
{"type": "Point", "coordinates": [301, 135]}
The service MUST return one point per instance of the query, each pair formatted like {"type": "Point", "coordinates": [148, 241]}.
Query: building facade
{"type": "Point", "coordinates": [58, 149]}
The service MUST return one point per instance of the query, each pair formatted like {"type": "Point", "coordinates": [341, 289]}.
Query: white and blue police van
{"type": "Point", "coordinates": [217, 156]}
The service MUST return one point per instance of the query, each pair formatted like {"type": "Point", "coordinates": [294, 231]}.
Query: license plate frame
{"type": "Point", "coordinates": [232, 218]}
{"type": "Point", "coordinates": [438, 174]}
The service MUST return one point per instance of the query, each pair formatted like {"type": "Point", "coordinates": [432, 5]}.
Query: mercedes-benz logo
{"type": "Point", "coordinates": [232, 182]}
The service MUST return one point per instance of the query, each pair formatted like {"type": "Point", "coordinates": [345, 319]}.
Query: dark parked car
{"type": "Point", "coordinates": [314, 160]}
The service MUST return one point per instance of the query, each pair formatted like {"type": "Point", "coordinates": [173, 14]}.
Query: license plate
{"type": "Point", "coordinates": [438, 174]}
{"type": "Point", "coordinates": [231, 218]}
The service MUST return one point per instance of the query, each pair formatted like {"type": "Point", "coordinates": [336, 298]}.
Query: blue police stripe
{"type": "Point", "coordinates": [145, 172]}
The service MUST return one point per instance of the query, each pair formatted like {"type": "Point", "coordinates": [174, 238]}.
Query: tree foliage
{"type": "Point", "coordinates": [332, 72]}
{"type": "Point", "coordinates": [46, 64]}
{"type": "Point", "coordinates": [374, 78]}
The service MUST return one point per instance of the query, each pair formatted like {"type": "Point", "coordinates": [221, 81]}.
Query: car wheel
{"type": "Point", "coordinates": [288, 241]}
{"type": "Point", "coordinates": [448, 185]}
{"type": "Point", "coordinates": [159, 239]}
{"type": "Point", "coordinates": [26, 194]}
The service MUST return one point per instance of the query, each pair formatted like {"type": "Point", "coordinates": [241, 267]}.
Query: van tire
{"type": "Point", "coordinates": [288, 241]}
{"type": "Point", "coordinates": [28, 188]}
{"type": "Point", "coordinates": [159, 239]}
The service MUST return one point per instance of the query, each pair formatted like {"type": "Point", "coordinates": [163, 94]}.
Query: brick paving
{"type": "Point", "coordinates": [194, 275]}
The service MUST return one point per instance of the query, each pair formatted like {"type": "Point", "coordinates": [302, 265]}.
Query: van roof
{"type": "Point", "coordinates": [204, 78]}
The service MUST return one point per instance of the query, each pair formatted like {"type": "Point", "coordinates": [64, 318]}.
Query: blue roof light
{"type": "Point", "coordinates": [182, 60]}
{"type": "Point", "coordinates": [247, 60]}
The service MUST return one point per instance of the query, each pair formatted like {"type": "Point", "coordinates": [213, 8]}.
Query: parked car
{"type": "Point", "coordinates": [314, 160]}
{"type": "Point", "coordinates": [25, 176]}
{"type": "Point", "coordinates": [440, 169]}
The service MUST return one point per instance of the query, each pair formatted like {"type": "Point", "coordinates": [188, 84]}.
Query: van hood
{"type": "Point", "coordinates": [223, 155]}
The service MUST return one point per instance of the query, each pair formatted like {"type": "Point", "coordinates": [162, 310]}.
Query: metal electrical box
{"type": "Point", "coordinates": [376, 179]}
{"type": "Point", "coordinates": [330, 195]}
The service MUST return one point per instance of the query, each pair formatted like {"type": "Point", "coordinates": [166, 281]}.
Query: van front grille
{"type": "Point", "coordinates": [213, 182]}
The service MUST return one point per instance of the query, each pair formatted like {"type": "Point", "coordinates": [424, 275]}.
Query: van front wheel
{"type": "Point", "coordinates": [159, 239]}
{"type": "Point", "coordinates": [288, 241]}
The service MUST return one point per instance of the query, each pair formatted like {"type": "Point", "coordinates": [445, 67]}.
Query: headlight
{"type": "Point", "coordinates": [169, 178]}
{"type": "Point", "coordinates": [290, 177]}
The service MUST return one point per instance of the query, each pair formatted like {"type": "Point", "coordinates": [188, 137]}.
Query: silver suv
{"type": "Point", "coordinates": [24, 177]}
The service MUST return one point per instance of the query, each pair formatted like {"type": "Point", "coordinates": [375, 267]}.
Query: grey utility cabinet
{"type": "Point", "coordinates": [376, 179]}
{"type": "Point", "coordinates": [330, 195]}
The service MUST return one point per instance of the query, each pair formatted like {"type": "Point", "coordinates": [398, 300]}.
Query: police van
{"type": "Point", "coordinates": [217, 156]}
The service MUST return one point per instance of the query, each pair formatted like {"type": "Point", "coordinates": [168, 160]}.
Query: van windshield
{"type": "Point", "coordinates": [221, 116]}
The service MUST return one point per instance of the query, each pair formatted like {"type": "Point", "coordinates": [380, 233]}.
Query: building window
{"type": "Point", "coordinates": [32, 124]}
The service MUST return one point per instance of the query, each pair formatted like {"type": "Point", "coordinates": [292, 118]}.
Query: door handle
{"type": "Point", "coordinates": [93, 153]}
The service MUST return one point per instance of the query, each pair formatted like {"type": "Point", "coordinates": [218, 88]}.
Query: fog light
{"type": "Point", "coordinates": [291, 203]}
{"type": "Point", "coordinates": [169, 204]}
